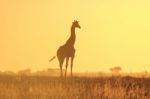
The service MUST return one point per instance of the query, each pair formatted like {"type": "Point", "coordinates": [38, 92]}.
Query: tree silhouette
{"type": "Point", "coordinates": [116, 70]}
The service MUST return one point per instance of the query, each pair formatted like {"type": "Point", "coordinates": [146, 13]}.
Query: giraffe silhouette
{"type": "Point", "coordinates": [67, 50]}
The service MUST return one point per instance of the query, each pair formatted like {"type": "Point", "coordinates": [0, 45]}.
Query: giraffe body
{"type": "Point", "coordinates": [67, 50]}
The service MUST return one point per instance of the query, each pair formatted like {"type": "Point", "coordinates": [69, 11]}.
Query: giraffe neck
{"type": "Point", "coordinates": [72, 32]}
{"type": "Point", "coordinates": [70, 42]}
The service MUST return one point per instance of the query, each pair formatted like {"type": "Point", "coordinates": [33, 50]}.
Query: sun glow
{"type": "Point", "coordinates": [114, 33]}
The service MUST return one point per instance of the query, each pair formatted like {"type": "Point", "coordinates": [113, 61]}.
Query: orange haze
{"type": "Point", "coordinates": [113, 33]}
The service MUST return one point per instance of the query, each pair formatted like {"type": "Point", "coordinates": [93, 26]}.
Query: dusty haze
{"type": "Point", "coordinates": [114, 33]}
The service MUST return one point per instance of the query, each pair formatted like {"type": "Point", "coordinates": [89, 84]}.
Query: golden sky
{"type": "Point", "coordinates": [113, 33]}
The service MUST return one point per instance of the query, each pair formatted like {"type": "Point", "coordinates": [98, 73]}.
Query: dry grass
{"type": "Point", "coordinates": [42, 87]}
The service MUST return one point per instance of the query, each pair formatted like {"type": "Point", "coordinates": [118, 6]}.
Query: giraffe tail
{"type": "Point", "coordinates": [52, 58]}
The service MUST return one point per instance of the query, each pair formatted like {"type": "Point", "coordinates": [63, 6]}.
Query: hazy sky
{"type": "Point", "coordinates": [113, 33]}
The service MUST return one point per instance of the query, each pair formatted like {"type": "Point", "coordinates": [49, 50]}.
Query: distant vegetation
{"type": "Point", "coordinates": [115, 71]}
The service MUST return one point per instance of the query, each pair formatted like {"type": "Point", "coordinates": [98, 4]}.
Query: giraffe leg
{"type": "Point", "coordinates": [61, 70]}
{"type": "Point", "coordinates": [66, 66]}
{"type": "Point", "coordinates": [61, 63]}
{"type": "Point", "coordinates": [72, 58]}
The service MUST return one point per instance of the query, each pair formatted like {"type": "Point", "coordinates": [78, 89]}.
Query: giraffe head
{"type": "Point", "coordinates": [76, 24]}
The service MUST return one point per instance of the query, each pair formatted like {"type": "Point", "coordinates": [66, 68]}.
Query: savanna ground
{"type": "Point", "coordinates": [45, 87]}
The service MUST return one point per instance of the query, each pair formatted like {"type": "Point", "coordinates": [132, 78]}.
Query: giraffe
{"type": "Point", "coordinates": [67, 50]}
